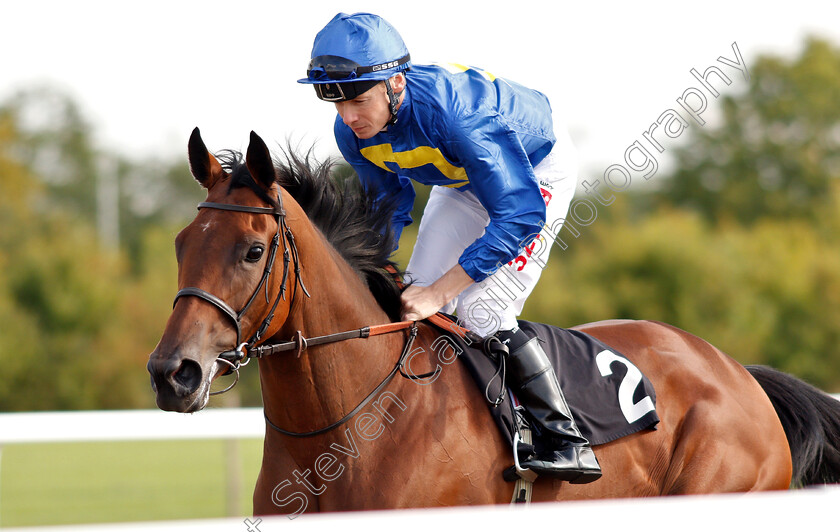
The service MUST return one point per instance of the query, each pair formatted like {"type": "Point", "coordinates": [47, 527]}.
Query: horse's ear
{"type": "Point", "coordinates": [203, 166]}
{"type": "Point", "coordinates": [259, 163]}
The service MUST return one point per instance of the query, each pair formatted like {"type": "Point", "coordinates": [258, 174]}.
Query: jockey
{"type": "Point", "coordinates": [499, 176]}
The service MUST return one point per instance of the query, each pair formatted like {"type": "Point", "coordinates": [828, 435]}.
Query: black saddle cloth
{"type": "Point", "coordinates": [609, 397]}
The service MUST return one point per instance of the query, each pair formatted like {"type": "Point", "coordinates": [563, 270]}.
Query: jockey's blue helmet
{"type": "Point", "coordinates": [352, 54]}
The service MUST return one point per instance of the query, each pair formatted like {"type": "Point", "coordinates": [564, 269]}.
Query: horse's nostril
{"type": "Point", "coordinates": [188, 375]}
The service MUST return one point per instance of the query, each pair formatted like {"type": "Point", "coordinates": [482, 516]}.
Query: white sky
{"type": "Point", "coordinates": [145, 73]}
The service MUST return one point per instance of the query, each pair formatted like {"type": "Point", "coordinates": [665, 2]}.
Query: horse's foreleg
{"type": "Point", "coordinates": [282, 486]}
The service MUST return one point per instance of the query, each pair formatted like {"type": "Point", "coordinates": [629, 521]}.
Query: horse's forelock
{"type": "Point", "coordinates": [239, 176]}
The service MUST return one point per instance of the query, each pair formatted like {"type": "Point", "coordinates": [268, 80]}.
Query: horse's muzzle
{"type": "Point", "coordinates": [176, 383]}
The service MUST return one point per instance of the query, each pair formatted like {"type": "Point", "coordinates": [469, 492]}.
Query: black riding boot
{"type": "Point", "coordinates": [532, 378]}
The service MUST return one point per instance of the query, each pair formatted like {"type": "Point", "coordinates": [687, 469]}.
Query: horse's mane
{"type": "Point", "coordinates": [350, 217]}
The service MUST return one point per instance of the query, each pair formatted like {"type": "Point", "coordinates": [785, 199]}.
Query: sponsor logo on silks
{"type": "Point", "coordinates": [522, 259]}
{"type": "Point", "coordinates": [546, 195]}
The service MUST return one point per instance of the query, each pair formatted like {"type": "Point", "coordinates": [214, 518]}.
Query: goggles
{"type": "Point", "coordinates": [340, 92]}
{"type": "Point", "coordinates": [325, 68]}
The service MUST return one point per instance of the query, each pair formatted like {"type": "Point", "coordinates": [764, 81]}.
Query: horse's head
{"type": "Point", "coordinates": [228, 285]}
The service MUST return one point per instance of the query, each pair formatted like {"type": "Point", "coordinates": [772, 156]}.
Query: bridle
{"type": "Point", "coordinates": [244, 351]}
{"type": "Point", "coordinates": [238, 357]}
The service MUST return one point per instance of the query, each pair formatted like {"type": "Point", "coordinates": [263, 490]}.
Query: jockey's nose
{"type": "Point", "coordinates": [348, 116]}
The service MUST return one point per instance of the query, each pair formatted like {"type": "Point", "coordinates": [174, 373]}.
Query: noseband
{"type": "Point", "coordinates": [237, 357]}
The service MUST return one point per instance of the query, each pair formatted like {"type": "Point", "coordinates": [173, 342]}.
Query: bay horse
{"type": "Point", "coordinates": [303, 259]}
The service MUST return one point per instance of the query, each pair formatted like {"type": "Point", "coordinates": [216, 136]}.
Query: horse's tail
{"type": "Point", "coordinates": [811, 420]}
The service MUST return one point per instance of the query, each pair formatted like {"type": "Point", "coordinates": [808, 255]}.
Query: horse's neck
{"type": "Point", "coordinates": [339, 300]}
{"type": "Point", "coordinates": [327, 381]}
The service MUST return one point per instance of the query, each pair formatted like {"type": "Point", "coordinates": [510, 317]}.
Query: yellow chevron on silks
{"type": "Point", "coordinates": [422, 155]}
{"type": "Point", "coordinates": [457, 68]}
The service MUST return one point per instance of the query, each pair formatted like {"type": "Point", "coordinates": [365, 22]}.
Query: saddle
{"type": "Point", "coordinates": [608, 395]}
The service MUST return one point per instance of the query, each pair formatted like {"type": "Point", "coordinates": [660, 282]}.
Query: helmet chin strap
{"type": "Point", "coordinates": [394, 101]}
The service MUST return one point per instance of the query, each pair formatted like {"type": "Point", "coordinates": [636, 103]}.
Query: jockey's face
{"type": "Point", "coordinates": [368, 113]}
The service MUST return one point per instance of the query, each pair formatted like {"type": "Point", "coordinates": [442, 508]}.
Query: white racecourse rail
{"type": "Point", "coordinates": [130, 425]}
{"type": "Point", "coordinates": [133, 425]}
{"type": "Point", "coordinates": [765, 512]}
{"type": "Point", "coordinates": [811, 509]}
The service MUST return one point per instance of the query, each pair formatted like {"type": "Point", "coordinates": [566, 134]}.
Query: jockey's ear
{"type": "Point", "coordinates": [203, 166]}
{"type": "Point", "coordinates": [259, 163]}
{"type": "Point", "coordinates": [398, 82]}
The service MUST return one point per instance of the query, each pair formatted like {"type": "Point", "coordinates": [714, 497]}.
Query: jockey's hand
{"type": "Point", "coordinates": [420, 302]}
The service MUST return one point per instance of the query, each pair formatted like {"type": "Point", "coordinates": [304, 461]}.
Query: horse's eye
{"type": "Point", "coordinates": [255, 253]}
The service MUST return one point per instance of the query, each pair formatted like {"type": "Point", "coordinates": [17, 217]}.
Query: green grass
{"type": "Point", "coordinates": [49, 484]}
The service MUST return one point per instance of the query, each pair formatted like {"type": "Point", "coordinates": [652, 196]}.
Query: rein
{"type": "Point", "coordinates": [300, 343]}
{"type": "Point", "coordinates": [398, 367]}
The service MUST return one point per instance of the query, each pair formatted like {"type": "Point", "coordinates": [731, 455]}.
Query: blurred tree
{"type": "Point", "coordinates": [740, 244]}
{"type": "Point", "coordinates": [776, 149]}
{"type": "Point", "coordinates": [77, 324]}
{"type": "Point", "coordinates": [122, 197]}
{"type": "Point", "coordinates": [56, 295]}
{"type": "Point", "coordinates": [53, 140]}
{"type": "Point", "coordinates": [735, 286]}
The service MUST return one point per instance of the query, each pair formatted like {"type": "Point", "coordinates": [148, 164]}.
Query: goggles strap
{"type": "Point", "coordinates": [340, 69]}
{"type": "Point", "coordinates": [394, 100]}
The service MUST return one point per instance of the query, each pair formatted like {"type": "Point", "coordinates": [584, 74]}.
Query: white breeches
{"type": "Point", "coordinates": [454, 220]}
